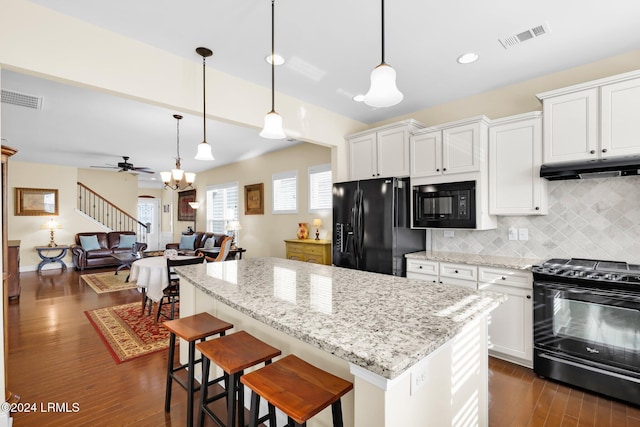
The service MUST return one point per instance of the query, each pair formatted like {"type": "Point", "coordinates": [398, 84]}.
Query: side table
{"type": "Point", "coordinates": [48, 255]}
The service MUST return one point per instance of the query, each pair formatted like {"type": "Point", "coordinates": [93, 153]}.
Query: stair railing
{"type": "Point", "coordinates": [108, 214]}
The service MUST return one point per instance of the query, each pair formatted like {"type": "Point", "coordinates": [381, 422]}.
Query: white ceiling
{"type": "Point", "coordinates": [330, 48]}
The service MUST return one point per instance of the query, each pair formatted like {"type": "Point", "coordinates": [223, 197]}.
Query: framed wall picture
{"type": "Point", "coordinates": [254, 199]}
{"type": "Point", "coordinates": [36, 201]}
{"type": "Point", "coordinates": [185, 212]}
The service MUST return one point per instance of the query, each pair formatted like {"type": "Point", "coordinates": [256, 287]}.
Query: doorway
{"type": "Point", "coordinates": [149, 213]}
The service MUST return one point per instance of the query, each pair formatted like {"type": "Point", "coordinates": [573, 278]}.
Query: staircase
{"type": "Point", "coordinates": [108, 214]}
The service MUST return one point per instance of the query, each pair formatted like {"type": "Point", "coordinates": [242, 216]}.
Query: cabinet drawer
{"type": "Point", "coordinates": [422, 267]}
{"type": "Point", "coordinates": [472, 284]}
{"type": "Point", "coordinates": [313, 250]}
{"type": "Point", "coordinates": [459, 271]}
{"type": "Point", "coordinates": [431, 278]}
{"type": "Point", "coordinates": [507, 277]}
{"type": "Point", "coordinates": [296, 247]}
{"type": "Point", "coordinates": [316, 259]}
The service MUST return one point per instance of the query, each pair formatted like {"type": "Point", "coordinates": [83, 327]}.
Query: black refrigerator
{"type": "Point", "coordinates": [371, 225]}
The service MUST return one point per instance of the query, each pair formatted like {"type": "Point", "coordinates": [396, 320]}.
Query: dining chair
{"type": "Point", "coordinates": [225, 246]}
{"type": "Point", "coordinates": [171, 294]}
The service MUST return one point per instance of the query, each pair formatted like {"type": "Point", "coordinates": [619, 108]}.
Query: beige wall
{"type": "Point", "coordinates": [263, 235]}
{"type": "Point", "coordinates": [120, 189]}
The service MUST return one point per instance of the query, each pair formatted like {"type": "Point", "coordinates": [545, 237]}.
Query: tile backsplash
{"type": "Point", "coordinates": [591, 218]}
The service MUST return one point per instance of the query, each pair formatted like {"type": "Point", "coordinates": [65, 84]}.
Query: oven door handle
{"type": "Point", "coordinates": [578, 290]}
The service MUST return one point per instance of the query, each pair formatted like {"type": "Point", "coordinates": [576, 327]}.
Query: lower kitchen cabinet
{"type": "Point", "coordinates": [309, 250]}
{"type": "Point", "coordinates": [511, 323]}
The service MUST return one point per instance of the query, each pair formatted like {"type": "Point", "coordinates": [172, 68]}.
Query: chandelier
{"type": "Point", "coordinates": [178, 179]}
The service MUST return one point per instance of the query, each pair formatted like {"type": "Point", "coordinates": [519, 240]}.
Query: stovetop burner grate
{"type": "Point", "coordinates": [578, 270]}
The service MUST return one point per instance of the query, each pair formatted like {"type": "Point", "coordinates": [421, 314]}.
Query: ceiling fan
{"type": "Point", "coordinates": [126, 167]}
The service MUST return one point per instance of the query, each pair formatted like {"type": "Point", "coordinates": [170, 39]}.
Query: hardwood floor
{"type": "Point", "coordinates": [55, 356]}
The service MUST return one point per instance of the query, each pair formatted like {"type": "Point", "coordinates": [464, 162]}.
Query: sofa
{"type": "Point", "coordinates": [189, 243]}
{"type": "Point", "coordinates": [89, 251]}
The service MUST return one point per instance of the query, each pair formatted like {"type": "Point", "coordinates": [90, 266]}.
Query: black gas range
{"type": "Point", "coordinates": [589, 272]}
{"type": "Point", "coordinates": [587, 325]}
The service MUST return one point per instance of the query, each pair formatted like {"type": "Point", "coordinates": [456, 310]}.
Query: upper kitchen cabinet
{"type": "Point", "coordinates": [594, 120]}
{"type": "Point", "coordinates": [381, 152]}
{"type": "Point", "coordinates": [452, 148]}
{"type": "Point", "coordinates": [515, 157]}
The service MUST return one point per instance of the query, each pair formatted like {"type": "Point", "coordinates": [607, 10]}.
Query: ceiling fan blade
{"type": "Point", "coordinates": [105, 167]}
{"type": "Point", "coordinates": [143, 170]}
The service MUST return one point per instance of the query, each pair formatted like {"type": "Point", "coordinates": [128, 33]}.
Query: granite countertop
{"type": "Point", "coordinates": [382, 323]}
{"type": "Point", "coordinates": [476, 259]}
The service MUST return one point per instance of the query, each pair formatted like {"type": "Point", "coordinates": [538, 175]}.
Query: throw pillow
{"type": "Point", "coordinates": [89, 243]}
{"type": "Point", "coordinates": [187, 242]}
{"type": "Point", "coordinates": [210, 243]}
{"type": "Point", "coordinates": [127, 240]}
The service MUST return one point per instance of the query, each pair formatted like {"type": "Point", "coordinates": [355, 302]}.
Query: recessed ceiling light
{"type": "Point", "coordinates": [358, 98]}
{"type": "Point", "coordinates": [468, 58]}
{"type": "Point", "coordinates": [279, 59]}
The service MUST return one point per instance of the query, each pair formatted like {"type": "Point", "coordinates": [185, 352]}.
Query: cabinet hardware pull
{"type": "Point", "coordinates": [438, 170]}
{"type": "Point", "coordinates": [528, 296]}
{"type": "Point", "coordinates": [604, 150]}
{"type": "Point", "coordinates": [444, 169]}
{"type": "Point", "coordinates": [420, 267]}
{"type": "Point", "coordinates": [592, 151]}
{"type": "Point", "coordinates": [537, 208]}
{"type": "Point", "coordinates": [455, 271]}
{"type": "Point", "coordinates": [503, 278]}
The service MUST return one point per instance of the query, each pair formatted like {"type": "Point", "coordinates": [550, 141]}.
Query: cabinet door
{"type": "Point", "coordinates": [511, 324]}
{"type": "Point", "coordinates": [461, 148]}
{"type": "Point", "coordinates": [393, 153]}
{"type": "Point", "coordinates": [570, 127]}
{"type": "Point", "coordinates": [620, 104]}
{"type": "Point", "coordinates": [362, 157]}
{"type": "Point", "coordinates": [426, 154]}
{"type": "Point", "coordinates": [515, 156]}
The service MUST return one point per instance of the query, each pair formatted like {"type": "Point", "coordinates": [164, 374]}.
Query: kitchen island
{"type": "Point", "coordinates": [417, 354]}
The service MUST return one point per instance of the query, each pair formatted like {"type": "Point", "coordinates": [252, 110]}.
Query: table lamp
{"type": "Point", "coordinates": [195, 206]}
{"type": "Point", "coordinates": [317, 223]}
{"type": "Point", "coordinates": [234, 227]}
{"type": "Point", "coordinates": [51, 225]}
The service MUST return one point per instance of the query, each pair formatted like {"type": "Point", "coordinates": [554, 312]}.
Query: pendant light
{"type": "Point", "coordinates": [383, 91]}
{"type": "Point", "coordinates": [272, 121]}
{"type": "Point", "coordinates": [204, 149]}
{"type": "Point", "coordinates": [178, 179]}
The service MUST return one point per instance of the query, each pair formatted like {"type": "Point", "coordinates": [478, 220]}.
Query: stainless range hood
{"type": "Point", "coordinates": [600, 168]}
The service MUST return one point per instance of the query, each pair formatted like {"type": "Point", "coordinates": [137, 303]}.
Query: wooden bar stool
{"type": "Point", "coordinates": [298, 389]}
{"type": "Point", "coordinates": [190, 329]}
{"type": "Point", "coordinates": [233, 354]}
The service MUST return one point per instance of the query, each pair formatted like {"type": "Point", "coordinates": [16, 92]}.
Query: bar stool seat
{"type": "Point", "coordinates": [233, 353]}
{"type": "Point", "coordinates": [191, 328]}
{"type": "Point", "coordinates": [298, 389]}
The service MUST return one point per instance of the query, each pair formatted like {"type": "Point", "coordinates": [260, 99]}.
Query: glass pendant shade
{"type": "Point", "coordinates": [383, 91]}
{"type": "Point", "coordinates": [166, 176]}
{"type": "Point", "coordinates": [177, 174]}
{"type": "Point", "coordinates": [204, 152]}
{"type": "Point", "coordinates": [190, 177]}
{"type": "Point", "coordinates": [273, 126]}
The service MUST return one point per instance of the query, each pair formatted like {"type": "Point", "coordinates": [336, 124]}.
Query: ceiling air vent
{"type": "Point", "coordinates": [21, 99]}
{"type": "Point", "coordinates": [522, 37]}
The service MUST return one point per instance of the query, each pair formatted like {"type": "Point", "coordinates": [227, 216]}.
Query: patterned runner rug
{"type": "Point", "coordinates": [108, 282]}
{"type": "Point", "coordinates": [128, 334]}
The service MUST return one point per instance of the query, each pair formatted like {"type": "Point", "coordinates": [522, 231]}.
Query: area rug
{"type": "Point", "coordinates": [127, 333]}
{"type": "Point", "coordinates": [108, 282]}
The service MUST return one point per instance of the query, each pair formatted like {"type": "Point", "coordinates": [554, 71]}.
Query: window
{"type": "Point", "coordinates": [285, 192]}
{"type": "Point", "coordinates": [222, 206]}
{"type": "Point", "coordinates": [320, 197]}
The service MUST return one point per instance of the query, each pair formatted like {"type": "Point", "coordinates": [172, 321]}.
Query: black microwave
{"type": "Point", "coordinates": [448, 205]}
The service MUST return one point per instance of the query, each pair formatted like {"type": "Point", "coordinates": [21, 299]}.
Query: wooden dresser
{"type": "Point", "coordinates": [309, 250]}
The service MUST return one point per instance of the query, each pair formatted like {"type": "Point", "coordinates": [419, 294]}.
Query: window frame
{"type": "Point", "coordinates": [282, 176]}
{"type": "Point", "coordinates": [323, 168]}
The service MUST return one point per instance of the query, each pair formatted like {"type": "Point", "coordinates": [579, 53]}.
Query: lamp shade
{"type": "Point", "coordinates": [204, 152]}
{"type": "Point", "coordinates": [383, 91]}
{"type": "Point", "coordinates": [51, 225]}
{"type": "Point", "coordinates": [190, 177]}
{"type": "Point", "coordinates": [273, 126]}
{"type": "Point", "coordinates": [317, 222]}
{"type": "Point", "coordinates": [177, 174]}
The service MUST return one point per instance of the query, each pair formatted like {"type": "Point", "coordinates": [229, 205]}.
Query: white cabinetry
{"type": "Point", "coordinates": [422, 270]}
{"type": "Point", "coordinates": [443, 272]}
{"type": "Point", "coordinates": [515, 157]}
{"type": "Point", "coordinates": [452, 148]}
{"type": "Point", "coordinates": [594, 120]}
{"type": "Point", "coordinates": [381, 152]}
{"type": "Point", "coordinates": [511, 323]}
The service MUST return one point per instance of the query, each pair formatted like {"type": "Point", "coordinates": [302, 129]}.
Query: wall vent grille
{"type": "Point", "coordinates": [21, 99]}
{"type": "Point", "coordinates": [531, 33]}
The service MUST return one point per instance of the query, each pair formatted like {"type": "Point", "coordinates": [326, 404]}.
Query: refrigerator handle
{"type": "Point", "coordinates": [359, 226]}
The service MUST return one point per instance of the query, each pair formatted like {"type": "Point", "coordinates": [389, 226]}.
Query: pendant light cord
{"type": "Point", "coordinates": [382, 14]}
{"type": "Point", "coordinates": [177, 117]}
{"type": "Point", "coordinates": [273, 59]}
{"type": "Point", "coordinates": [204, 100]}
